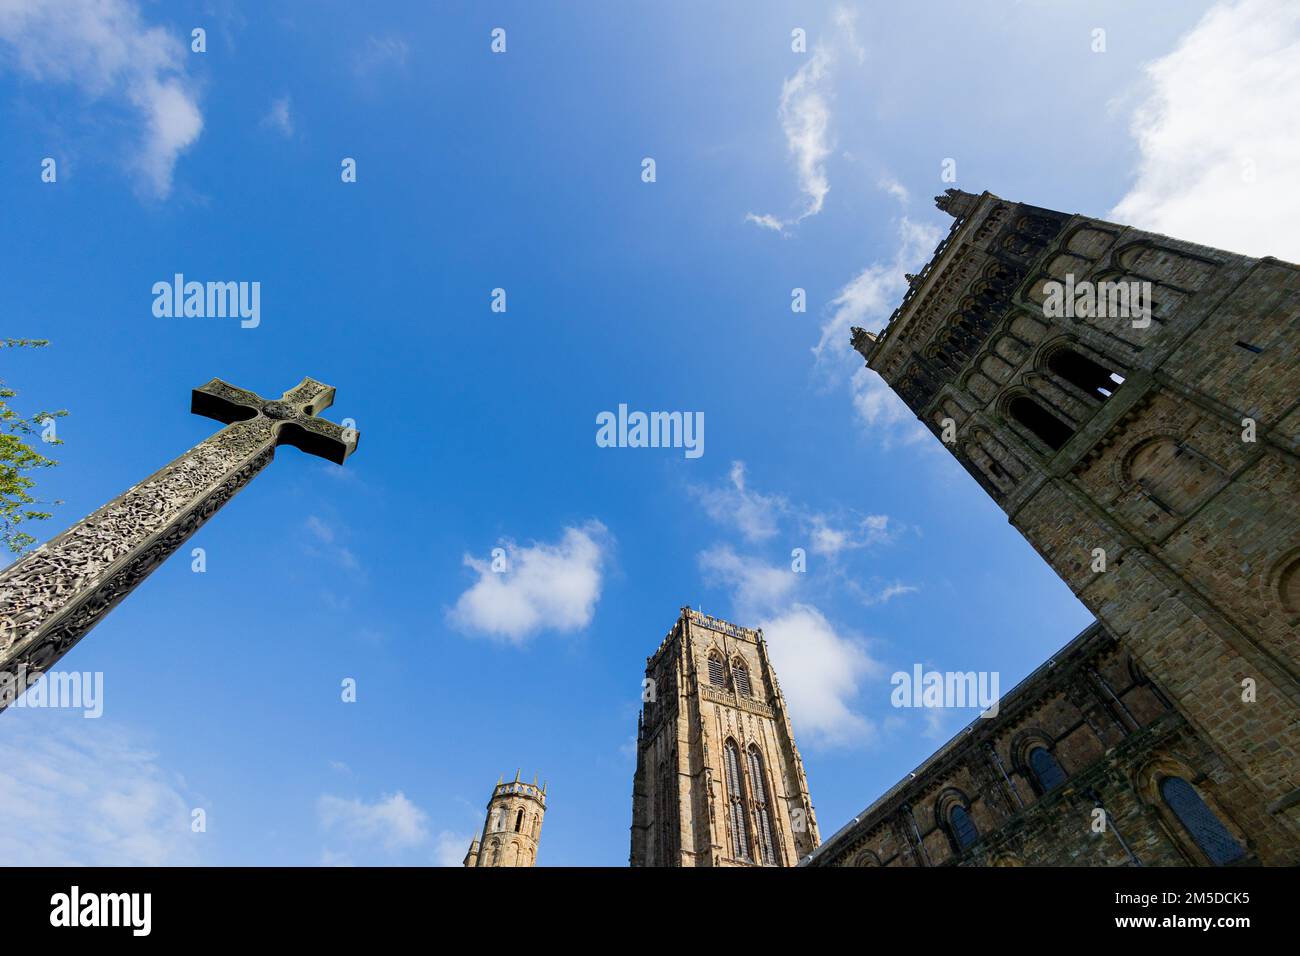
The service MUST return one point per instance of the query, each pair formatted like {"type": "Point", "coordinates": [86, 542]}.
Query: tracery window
{"type": "Point", "coordinates": [740, 675]}
{"type": "Point", "coordinates": [762, 816]}
{"type": "Point", "coordinates": [717, 674]}
{"type": "Point", "coordinates": [736, 801]}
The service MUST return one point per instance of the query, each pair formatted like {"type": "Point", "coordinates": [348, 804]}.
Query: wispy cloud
{"type": "Point", "coordinates": [279, 117]}
{"type": "Point", "coordinates": [540, 587]}
{"type": "Point", "coordinates": [325, 538]}
{"type": "Point", "coordinates": [867, 301]}
{"type": "Point", "coordinates": [829, 540]}
{"type": "Point", "coordinates": [805, 114]}
{"type": "Point", "coordinates": [103, 48]}
{"type": "Point", "coordinates": [880, 595]}
{"type": "Point", "coordinates": [736, 506]}
{"type": "Point", "coordinates": [1218, 153]}
{"type": "Point", "coordinates": [450, 848]}
{"type": "Point", "coordinates": [392, 821]}
{"type": "Point", "coordinates": [380, 52]}
{"type": "Point", "coordinates": [79, 795]}
{"type": "Point", "coordinates": [757, 587]}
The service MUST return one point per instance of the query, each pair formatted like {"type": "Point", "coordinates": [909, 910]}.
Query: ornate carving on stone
{"type": "Point", "coordinates": [52, 597]}
{"type": "Point", "coordinates": [738, 701]}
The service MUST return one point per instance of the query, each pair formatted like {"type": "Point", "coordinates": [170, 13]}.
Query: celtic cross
{"type": "Point", "coordinates": [51, 598]}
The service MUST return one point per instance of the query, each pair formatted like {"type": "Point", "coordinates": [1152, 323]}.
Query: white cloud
{"type": "Point", "coordinates": [805, 120]}
{"type": "Point", "coordinates": [867, 301]}
{"type": "Point", "coordinates": [870, 297]}
{"type": "Point", "coordinates": [757, 588]}
{"type": "Point", "coordinates": [279, 118]}
{"type": "Point", "coordinates": [767, 221]}
{"type": "Point", "coordinates": [392, 821]}
{"type": "Point", "coordinates": [754, 515]}
{"type": "Point", "coordinates": [81, 793]}
{"type": "Point", "coordinates": [896, 189]}
{"type": "Point", "coordinates": [1217, 134]}
{"type": "Point", "coordinates": [820, 672]}
{"type": "Point", "coordinates": [380, 52]}
{"type": "Point", "coordinates": [829, 540]}
{"type": "Point", "coordinates": [805, 115]}
{"type": "Point", "coordinates": [886, 593]}
{"type": "Point", "coordinates": [544, 586]}
{"type": "Point", "coordinates": [450, 848]}
{"type": "Point", "coordinates": [103, 48]}
{"type": "Point", "coordinates": [327, 543]}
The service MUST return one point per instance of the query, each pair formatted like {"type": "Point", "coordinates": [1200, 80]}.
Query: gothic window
{"type": "Point", "coordinates": [519, 821]}
{"type": "Point", "coordinates": [665, 824]}
{"type": "Point", "coordinates": [717, 675]}
{"type": "Point", "coordinates": [1045, 426]}
{"type": "Point", "coordinates": [962, 826]}
{"type": "Point", "coordinates": [1084, 374]}
{"type": "Point", "coordinates": [736, 801]}
{"type": "Point", "coordinates": [740, 675]}
{"type": "Point", "coordinates": [1047, 770]}
{"type": "Point", "coordinates": [762, 818]}
{"type": "Point", "coordinates": [1200, 822]}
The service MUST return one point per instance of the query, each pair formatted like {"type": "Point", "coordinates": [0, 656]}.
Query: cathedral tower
{"type": "Point", "coordinates": [719, 781]}
{"type": "Point", "coordinates": [1132, 402]}
{"type": "Point", "coordinates": [513, 825]}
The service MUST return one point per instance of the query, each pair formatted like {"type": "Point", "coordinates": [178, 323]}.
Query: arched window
{"type": "Point", "coordinates": [519, 820]}
{"type": "Point", "coordinates": [762, 819]}
{"type": "Point", "coordinates": [1046, 768]}
{"type": "Point", "coordinates": [736, 799]}
{"type": "Point", "coordinates": [740, 675]}
{"type": "Point", "coordinates": [496, 853]}
{"type": "Point", "coordinates": [1085, 374]}
{"type": "Point", "coordinates": [1173, 475]}
{"type": "Point", "coordinates": [501, 819]}
{"type": "Point", "coordinates": [962, 826]}
{"type": "Point", "coordinates": [537, 824]}
{"type": "Point", "coordinates": [1200, 822]}
{"type": "Point", "coordinates": [1045, 426]}
{"type": "Point", "coordinates": [717, 675]}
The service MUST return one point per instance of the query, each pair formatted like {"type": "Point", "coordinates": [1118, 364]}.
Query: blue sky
{"type": "Point", "coordinates": [523, 171]}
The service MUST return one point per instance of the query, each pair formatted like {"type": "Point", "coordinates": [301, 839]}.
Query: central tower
{"type": "Point", "coordinates": [719, 781]}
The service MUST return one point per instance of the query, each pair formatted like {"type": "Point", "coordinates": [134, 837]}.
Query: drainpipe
{"type": "Point", "coordinates": [916, 833]}
{"type": "Point", "coordinates": [1096, 798]}
{"type": "Point", "coordinates": [992, 754]}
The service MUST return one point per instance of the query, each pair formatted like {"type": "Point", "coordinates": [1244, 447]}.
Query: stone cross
{"type": "Point", "coordinates": [51, 598]}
